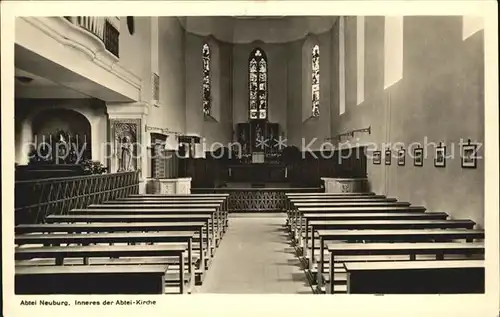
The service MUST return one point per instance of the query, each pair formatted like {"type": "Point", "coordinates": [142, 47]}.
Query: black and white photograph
{"type": "Point", "coordinates": [469, 152]}
{"type": "Point", "coordinates": [377, 157]}
{"type": "Point", "coordinates": [440, 156]}
{"type": "Point", "coordinates": [185, 155]}
{"type": "Point", "coordinates": [388, 157]}
{"type": "Point", "coordinates": [418, 156]}
{"type": "Point", "coordinates": [401, 157]}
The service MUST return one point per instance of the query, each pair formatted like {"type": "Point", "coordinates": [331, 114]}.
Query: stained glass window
{"type": "Point", "coordinates": [257, 68]}
{"type": "Point", "coordinates": [315, 81]}
{"type": "Point", "coordinates": [207, 96]}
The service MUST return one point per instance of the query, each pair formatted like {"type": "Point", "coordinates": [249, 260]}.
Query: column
{"type": "Point", "coordinates": [127, 125]}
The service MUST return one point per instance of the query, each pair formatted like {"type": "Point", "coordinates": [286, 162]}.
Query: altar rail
{"type": "Point", "coordinates": [36, 199]}
{"type": "Point", "coordinates": [255, 199]}
{"type": "Point", "coordinates": [305, 172]}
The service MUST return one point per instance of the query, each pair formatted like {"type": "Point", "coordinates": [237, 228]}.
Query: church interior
{"type": "Point", "coordinates": [249, 155]}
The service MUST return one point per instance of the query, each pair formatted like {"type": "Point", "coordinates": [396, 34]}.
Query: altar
{"type": "Point", "coordinates": [257, 173]}
{"type": "Point", "coordinates": [258, 142]}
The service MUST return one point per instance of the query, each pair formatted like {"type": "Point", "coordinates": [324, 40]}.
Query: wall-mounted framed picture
{"type": "Point", "coordinates": [440, 158]}
{"type": "Point", "coordinates": [418, 156]}
{"type": "Point", "coordinates": [469, 158]}
{"type": "Point", "coordinates": [401, 157]}
{"type": "Point", "coordinates": [388, 157]}
{"type": "Point", "coordinates": [377, 157]}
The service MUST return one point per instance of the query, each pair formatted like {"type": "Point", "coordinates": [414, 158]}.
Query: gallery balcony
{"type": "Point", "coordinates": [79, 52]}
{"type": "Point", "coordinates": [106, 29]}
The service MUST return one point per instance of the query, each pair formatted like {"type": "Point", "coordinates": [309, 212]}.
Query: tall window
{"type": "Point", "coordinates": [315, 81]}
{"type": "Point", "coordinates": [257, 69]}
{"type": "Point", "coordinates": [207, 96]}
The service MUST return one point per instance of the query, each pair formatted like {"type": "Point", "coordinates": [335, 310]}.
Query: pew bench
{"type": "Point", "coordinates": [352, 203]}
{"type": "Point", "coordinates": [362, 252]}
{"type": "Point", "coordinates": [304, 232]}
{"type": "Point", "coordinates": [220, 215]}
{"type": "Point", "coordinates": [177, 250]}
{"type": "Point", "coordinates": [100, 228]}
{"type": "Point", "coordinates": [137, 218]}
{"type": "Point", "coordinates": [129, 200]}
{"type": "Point", "coordinates": [200, 256]}
{"type": "Point", "coordinates": [416, 277]}
{"type": "Point", "coordinates": [380, 225]}
{"type": "Point", "coordinates": [396, 235]}
{"type": "Point", "coordinates": [340, 199]}
{"type": "Point", "coordinates": [298, 220]}
{"type": "Point", "coordinates": [170, 202]}
{"type": "Point", "coordinates": [330, 196]}
{"type": "Point", "coordinates": [188, 196]}
{"type": "Point", "coordinates": [291, 195]}
{"type": "Point", "coordinates": [291, 202]}
{"type": "Point", "coordinates": [90, 280]}
{"type": "Point", "coordinates": [217, 224]}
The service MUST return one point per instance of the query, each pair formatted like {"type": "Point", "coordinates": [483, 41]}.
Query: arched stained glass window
{"type": "Point", "coordinates": [315, 81]}
{"type": "Point", "coordinates": [207, 96]}
{"type": "Point", "coordinates": [257, 70]}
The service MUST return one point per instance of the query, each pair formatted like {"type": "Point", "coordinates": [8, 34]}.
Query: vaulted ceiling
{"type": "Point", "coordinates": [247, 29]}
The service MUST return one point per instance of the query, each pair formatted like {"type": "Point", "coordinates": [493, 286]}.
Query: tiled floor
{"type": "Point", "coordinates": [255, 257]}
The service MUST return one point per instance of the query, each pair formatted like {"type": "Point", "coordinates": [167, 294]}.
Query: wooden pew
{"type": "Point", "coordinates": [375, 216]}
{"type": "Point", "coordinates": [180, 196]}
{"type": "Point", "coordinates": [134, 218]}
{"type": "Point", "coordinates": [212, 203]}
{"type": "Point", "coordinates": [396, 235]}
{"type": "Point", "coordinates": [126, 218]}
{"type": "Point", "coordinates": [178, 250]}
{"type": "Point", "coordinates": [339, 251]}
{"type": "Point", "coordinates": [97, 227]}
{"type": "Point", "coordinates": [190, 197]}
{"type": "Point", "coordinates": [291, 196]}
{"type": "Point", "coordinates": [352, 203]}
{"type": "Point", "coordinates": [173, 198]}
{"type": "Point", "coordinates": [416, 277]}
{"type": "Point", "coordinates": [220, 215]}
{"type": "Point", "coordinates": [312, 216]}
{"type": "Point", "coordinates": [181, 199]}
{"type": "Point", "coordinates": [340, 199]}
{"type": "Point", "coordinates": [90, 280]}
{"type": "Point", "coordinates": [120, 237]}
{"type": "Point", "coordinates": [215, 225]}
{"type": "Point", "coordinates": [330, 196]}
{"type": "Point", "coordinates": [363, 209]}
{"type": "Point", "coordinates": [380, 225]}
{"type": "Point", "coordinates": [346, 204]}
{"type": "Point", "coordinates": [327, 194]}
{"type": "Point", "coordinates": [192, 206]}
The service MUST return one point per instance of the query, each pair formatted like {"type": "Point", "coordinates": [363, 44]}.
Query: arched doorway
{"type": "Point", "coordinates": [61, 136]}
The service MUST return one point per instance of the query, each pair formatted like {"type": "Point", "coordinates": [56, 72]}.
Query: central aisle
{"type": "Point", "coordinates": [255, 257]}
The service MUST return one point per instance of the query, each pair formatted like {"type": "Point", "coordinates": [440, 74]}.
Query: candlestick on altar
{"type": "Point", "coordinates": [77, 148]}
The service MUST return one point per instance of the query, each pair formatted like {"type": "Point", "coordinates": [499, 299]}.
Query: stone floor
{"type": "Point", "coordinates": [256, 257]}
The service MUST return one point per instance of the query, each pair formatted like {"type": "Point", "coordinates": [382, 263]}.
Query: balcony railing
{"type": "Point", "coordinates": [36, 199]}
{"type": "Point", "coordinates": [104, 28]}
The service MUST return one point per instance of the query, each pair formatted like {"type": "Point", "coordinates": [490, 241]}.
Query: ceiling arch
{"type": "Point", "coordinates": [267, 29]}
